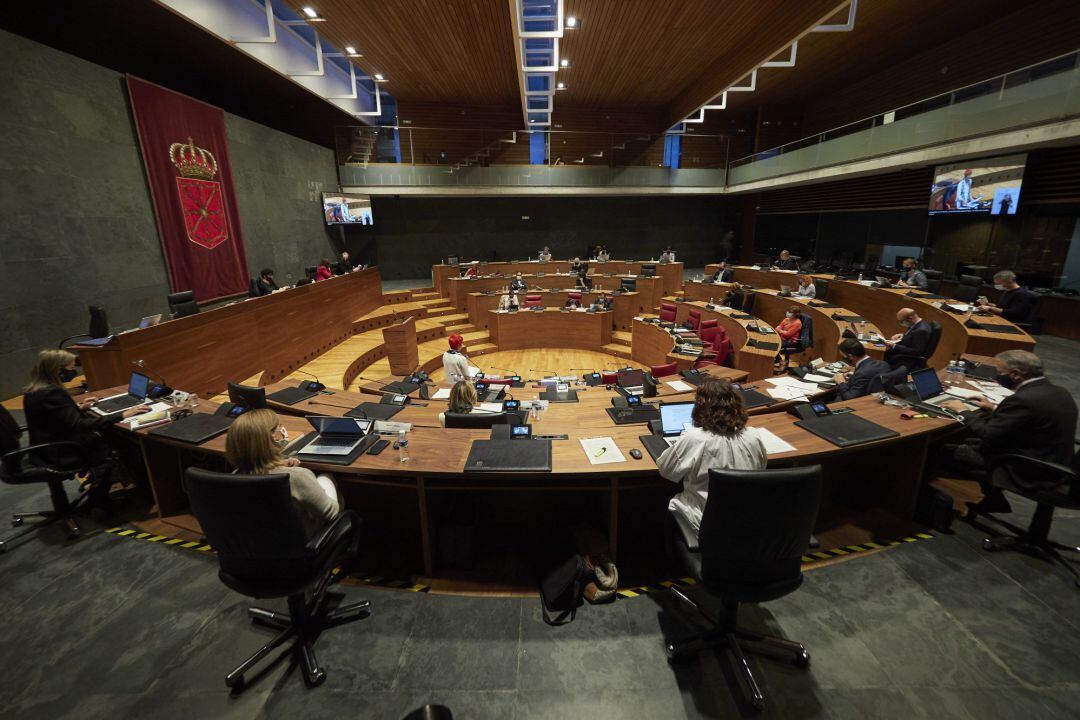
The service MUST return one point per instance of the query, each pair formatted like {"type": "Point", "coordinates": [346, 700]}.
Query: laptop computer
{"type": "Point", "coordinates": [138, 387]}
{"type": "Point", "coordinates": [883, 281]}
{"type": "Point", "coordinates": [928, 388]}
{"type": "Point", "coordinates": [149, 321]}
{"type": "Point", "coordinates": [674, 418]}
{"type": "Point", "coordinates": [335, 435]}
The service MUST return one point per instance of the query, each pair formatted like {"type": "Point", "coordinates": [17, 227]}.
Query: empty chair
{"type": "Point", "coordinates": [659, 371]}
{"type": "Point", "coordinates": [754, 531]}
{"type": "Point", "coordinates": [498, 381]}
{"type": "Point", "coordinates": [99, 327]}
{"type": "Point", "coordinates": [968, 289]}
{"type": "Point", "coordinates": [573, 299]}
{"type": "Point", "coordinates": [707, 331]}
{"type": "Point", "coordinates": [477, 419]}
{"type": "Point", "coordinates": [694, 319]}
{"type": "Point", "coordinates": [609, 377]}
{"type": "Point", "coordinates": [628, 284]}
{"type": "Point", "coordinates": [933, 280]}
{"type": "Point", "coordinates": [249, 396]}
{"type": "Point", "coordinates": [253, 288]}
{"type": "Point", "coordinates": [888, 381]}
{"type": "Point", "coordinates": [718, 354]}
{"type": "Point", "coordinates": [821, 289]}
{"type": "Point", "coordinates": [667, 311]}
{"type": "Point", "coordinates": [182, 304]}
{"type": "Point", "coordinates": [533, 301]}
{"type": "Point", "coordinates": [234, 511]}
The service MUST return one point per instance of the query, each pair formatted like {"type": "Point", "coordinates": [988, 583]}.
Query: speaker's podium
{"type": "Point", "coordinates": [400, 341]}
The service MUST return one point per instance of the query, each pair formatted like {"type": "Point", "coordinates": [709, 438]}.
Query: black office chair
{"type": "Point", "coordinates": [17, 468]}
{"type": "Point", "coordinates": [480, 420]}
{"type": "Point", "coordinates": [250, 396]}
{"type": "Point", "coordinates": [1051, 486]}
{"type": "Point", "coordinates": [968, 289]}
{"type": "Point", "coordinates": [803, 343]}
{"type": "Point", "coordinates": [888, 381]}
{"type": "Point", "coordinates": [933, 280]}
{"type": "Point", "coordinates": [99, 327]}
{"type": "Point", "coordinates": [821, 289]}
{"type": "Point", "coordinates": [754, 532]}
{"type": "Point", "coordinates": [431, 712]}
{"type": "Point", "coordinates": [748, 302]}
{"type": "Point", "coordinates": [310, 271]}
{"type": "Point", "coordinates": [628, 284]}
{"type": "Point", "coordinates": [1032, 324]}
{"type": "Point", "coordinates": [182, 304]}
{"type": "Point", "coordinates": [918, 362]}
{"type": "Point", "coordinates": [235, 511]}
{"type": "Point", "coordinates": [253, 288]}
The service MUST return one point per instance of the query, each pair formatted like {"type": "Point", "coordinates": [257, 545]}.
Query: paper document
{"type": "Point", "coordinates": [441, 394]}
{"type": "Point", "coordinates": [789, 382]}
{"type": "Point", "coordinates": [958, 307]}
{"type": "Point", "coordinates": [964, 393]}
{"type": "Point", "coordinates": [679, 385]}
{"type": "Point", "coordinates": [493, 407]}
{"type": "Point", "coordinates": [602, 450]}
{"type": "Point", "coordinates": [815, 378]}
{"type": "Point", "coordinates": [473, 371]}
{"type": "Point", "coordinates": [774, 443]}
{"type": "Point", "coordinates": [158, 411]}
{"type": "Point", "coordinates": [787, 393]}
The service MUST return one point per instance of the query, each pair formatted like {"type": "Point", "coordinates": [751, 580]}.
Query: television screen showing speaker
{"type": "Point", "coordinates": [347, 209]}
{"type": "Point", "coordinates": [988, 185]}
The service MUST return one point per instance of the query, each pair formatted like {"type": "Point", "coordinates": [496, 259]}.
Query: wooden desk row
{"type": "Point", "coordinates": [671, 274]}
{"type": "Point", "coordinates": [649, 290]}
{"type": "Point", "coordinates": [880, 305]}
{"type": "Point", "coordinates": [273, 335]}
{"type": "Point", "coordinates": [624, 306]}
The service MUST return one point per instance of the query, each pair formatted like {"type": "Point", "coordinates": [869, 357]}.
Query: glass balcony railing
{"type": "Point", "coordinates": [1033, 95]}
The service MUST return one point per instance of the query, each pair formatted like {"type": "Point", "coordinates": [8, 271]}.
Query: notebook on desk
{"type": "Point", "coordinates": [291, 396]}
{"type": "Point", "coordinates": [509, 456]}
{"type": "Point", "coordinates": [375, 411]}
{"type": "Point", "coordinates": [401, 387]}
{"type": "Point", "coordinates": [655, 444]}
{"type": "Point", "coordinates": [846, 430]}
{"type": "Point", "coordinates": [567, 396]}
{"type": "Point", "coordinates": [762, 345]}
{"type": "Point", "coordinates": [195, 429]}
{"type": "Point", "coordinates": [635, 415]}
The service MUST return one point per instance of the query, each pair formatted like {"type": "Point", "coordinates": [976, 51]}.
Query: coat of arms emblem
{"type": "Point", "coordinates": [200, 195]}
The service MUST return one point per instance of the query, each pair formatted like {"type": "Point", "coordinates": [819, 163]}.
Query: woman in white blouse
{"type": "Point", "coordinates": [806, 288]}
{"type": "Point", "coordinates": [719, 439]}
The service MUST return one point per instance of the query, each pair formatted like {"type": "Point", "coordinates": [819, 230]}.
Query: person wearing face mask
{"type": "Point", "coordinates": [455, 364]}
{"type": "Point", "coordinates": [52, 415]}
{"type": "Point", "coordinates": [518, 285]}
{"type": "Point", "coordinates": [856, 383]}
{"type": "Point", "coordinates": [253, 446]}
{"type": "Point", "coordinates": [1038, 420]}
{"type": "Point", "coordinates": [912, 343]}
{"type": "Point", "coordinates": [1015, 304]}
{"type": "Point", "coordinates": [912, 277]}
{"type": "Point", "coordinates": [789, 329]}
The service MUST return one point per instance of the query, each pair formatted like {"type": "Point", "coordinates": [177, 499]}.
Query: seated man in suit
{"type": "Point", "coordinates": [1038, 420]}
{"type": "Point", "coordinates": [913, 342]}
{"type": "Point", "coordinates": [856, 383]}
{"type": "Point", "coordinates": [786, 262]}
{"type": "Point", "coordinates": [265, 284]}
{"type": "Point", "coordinates": [1015, 303]}
{"type": "Point", "coordinates": [603, 302]}
{"type": "Point", "coordinates": [518, 285]}
{"type": "Point", "coordinates": [724, 274]}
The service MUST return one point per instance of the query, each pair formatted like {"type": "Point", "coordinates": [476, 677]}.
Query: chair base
{"type": "Point", "coordinates": [66, 516]}
{"type": "Point", "coordinates": [735, 644]}
{"type": "Point", "coordinates": [1033, 541]}
{"type": "Point", "coordinates": [302, 626]}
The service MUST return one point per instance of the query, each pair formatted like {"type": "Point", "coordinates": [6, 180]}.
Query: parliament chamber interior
{"type": "Point", "coordinates": [540, 358]}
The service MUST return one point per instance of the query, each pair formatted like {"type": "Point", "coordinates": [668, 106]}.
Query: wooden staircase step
{"type": "Point", "coordinates": [621, 336]}
{"type": "Point", "coordinates": [622, 351]}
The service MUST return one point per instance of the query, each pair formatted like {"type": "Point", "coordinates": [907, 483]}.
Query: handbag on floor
{"type": "Point", "coordinates": [604, 583]}
{"type": "Point", "coordinates": [561, 589]}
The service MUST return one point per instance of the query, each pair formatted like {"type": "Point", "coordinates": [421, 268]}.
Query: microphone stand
{"type": "Point", "coordinates": [318, 385]}
{"type": "Point", "coordinates": [163, 389]}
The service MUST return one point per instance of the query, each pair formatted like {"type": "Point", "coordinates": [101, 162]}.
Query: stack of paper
{"type": "Point", "coordinates": [493, 407]}
{"type": "Point", "coordinates": [441, 394]}
{"type": "Point", "coordinates": [790, 388]}
{"type": "Point", "coordinates": [679, 385]}
{"type": "Point", "coordinates": [815, 378]}
{"type": "Point", "coordinates": [773, 443]}
{"type": "Point", "coordinates": [602, 450]}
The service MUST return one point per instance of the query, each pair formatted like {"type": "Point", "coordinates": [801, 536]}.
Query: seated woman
{"type": "Point", "coordinates": [806, 288]}
{"type": "Point", "coordinates": [323, 272]}
{"type": "Point", "coordinates": [719, 438]}
{"type": "Point", "coordinates": [52, 415]}
{"type": "Point", "coordinates": [462, 399]}
{"type": "Point", "coordinates": [253, 446]}
{"type": "Point", "coordinates": [789, 329]}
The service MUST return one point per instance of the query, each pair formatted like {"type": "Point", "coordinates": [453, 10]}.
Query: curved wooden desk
{"type": "Point", "coordinates": [649, 290]}
{"type": "Point", "coordinates": [757, 362]}
{"type": "Point", "coordinates": [671, 274]}
{"type": "Point", "coordinates": [623, 306]}
{"type": "Point", "coordinates": [550, 327]}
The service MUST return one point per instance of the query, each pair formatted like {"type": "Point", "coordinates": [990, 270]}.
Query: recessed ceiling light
{"type": "Point", "coordinates": [350, 49]}
{"type": "Point", "coordinates": [572, 22]}
{"type": "Point", "coordinates": [565, 62]}
{"type": "Point", "coordinates": [379, 77]}
{"type": "Point", "coordinates": [560, 86]}
{"type": "Point", "coordinates": [310, 12]}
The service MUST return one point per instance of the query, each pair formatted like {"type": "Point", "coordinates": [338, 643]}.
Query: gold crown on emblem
{"type": "Point", "coordinates": [193, 162]}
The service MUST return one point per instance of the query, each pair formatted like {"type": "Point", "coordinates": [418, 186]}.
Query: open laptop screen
{"type": "Point", "coordinates": [339, 425]}
{"type": "Point", "coordinates": [139, 385]}
{"type": "Point", "coordinates": [674, 416]}
{"type": "Point", "coordinates": [926, 383]}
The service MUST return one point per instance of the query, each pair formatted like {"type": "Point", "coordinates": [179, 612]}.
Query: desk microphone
{"type": "Point", "coordinates": [161, 390]}
{"type": "Point", "coordinates": [512, 372]}
{"type": "Point", "coordinates": [316, 402]}
{"type": "Point", "coordinates": [550, 372]}
{"type": "Point", "coordinates": [309, 386]}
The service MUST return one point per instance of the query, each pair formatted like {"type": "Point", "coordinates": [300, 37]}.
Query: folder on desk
{"type": "Point", "coordinates": [290, 396]}
{"type": "Point", "coordinates": [631, 416]}
{"type": "Point", "coordinates": [752, 398]}
{"type": "Point", "coordinates": [509, 456]}
{"type": "Point", "coordinates": [762, 345]}
{"type": "Point", "coordinates": [401, 387]}
{"type": "Point", "coordinates": [374, 411]}
{"type": "Point", "coordinates": [551, 395]}
{"type": "Point", "coordinates": [655, 444]}
{"type": "Point", "coordinates": [195, 429]}
{"type": "Point", "coordinates": [846, 430]}
{"type": "Point", "coordinates": [1005, 329]}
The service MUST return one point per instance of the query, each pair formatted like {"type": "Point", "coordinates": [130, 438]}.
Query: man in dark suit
{"type": "Point", "coordinates": [265, 284]}
{"type": "Point", "coordinates": [857, 383]}
{"type": "Point", "coordinates": [1038, 420]}
{"type": "Point", "coordinates": [724, 274]}
{"type": "Point", "coordinates": [912, 343]}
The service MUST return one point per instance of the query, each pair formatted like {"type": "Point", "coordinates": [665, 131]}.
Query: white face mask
{"type": "Point", "coordinates": [999, 286]}
{"type": "Point", "coordinates": [283, 441]}
{"type": "Point", "coordinates": [790, 315]}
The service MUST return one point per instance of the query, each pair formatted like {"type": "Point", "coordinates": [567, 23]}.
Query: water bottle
{"type": "Point", "coordinates": [403, 445]}
{"type": "Point", "coordinates": [952, 373]}
{"type": "Point", "coordinates": [860, 277]}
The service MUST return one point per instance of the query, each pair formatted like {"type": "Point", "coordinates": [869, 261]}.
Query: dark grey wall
{"type": "Point", "coordinates": [414, 233]}
{"type": "Point", "coordinates": [78, 226]}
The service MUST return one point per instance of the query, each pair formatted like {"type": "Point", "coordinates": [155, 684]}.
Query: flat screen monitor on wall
{"type": "Point", "coordinates": [988, 185]}
{"type": "Point", "coordinates": [347, 209]}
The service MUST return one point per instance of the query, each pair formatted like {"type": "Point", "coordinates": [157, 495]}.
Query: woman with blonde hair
{"type": "Point", "coordinates": [462, 399]}
{"type": "Point", "coordinates": [253, 446]}
{"type": "Point", "coordinates": [806, 288]}
{"type": "Point", "coordinates": [52, 415]}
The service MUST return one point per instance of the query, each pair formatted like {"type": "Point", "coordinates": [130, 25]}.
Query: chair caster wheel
{"type": "Point", "coordinates": [236, 684]}
{"type": "Point", "coordinates": [317, 678]}
{"type": "Point", "coordinates": [71, 529]}
{"type": "Point", "coordinates": [802, 660]}
{"type": "Point", "coordinates": [988, 545]}
{"type": "Point", "coordinates": [16, 522]}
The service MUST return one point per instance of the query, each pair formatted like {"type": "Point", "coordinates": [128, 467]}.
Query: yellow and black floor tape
{"type": "Point", "coordinates": [624, 593]}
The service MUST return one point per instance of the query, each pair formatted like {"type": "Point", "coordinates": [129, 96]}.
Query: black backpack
{"type": "Point", "coordinates": [561, 590]}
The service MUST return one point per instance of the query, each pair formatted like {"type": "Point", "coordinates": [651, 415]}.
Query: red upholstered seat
{"type": "Point", "coordinates": [575, 296]}
{"type": "Point", "coordinates": [659, 371]}
{"type": "Point", "coordinates": [533, 301]}
{"type": "Point", "coordinates": [500, 381]}
{"type": "Point", "coordinates": [719, 354]}
{"type": "Point", "coordinates": [695, 319]}
{"type": "Point", "coordinates": [667, 312]}
{"type": "Point", "coordinates": [708, 331]}
{"type": "Point", "coordinates": [609, 378]}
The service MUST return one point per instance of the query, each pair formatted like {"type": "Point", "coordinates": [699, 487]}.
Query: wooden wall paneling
{"type": "Point", "coordinates": [525, 329]}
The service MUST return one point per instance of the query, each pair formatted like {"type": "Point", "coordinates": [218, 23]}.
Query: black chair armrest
{"type": "Point", "coordinates": [335, 531]}
{"type": "Point", "coordinates": [686, 533]}
{"type": "Point", "coordinates": [14, 458]}
{"type": "Point", "coordinates": [1034, 463]}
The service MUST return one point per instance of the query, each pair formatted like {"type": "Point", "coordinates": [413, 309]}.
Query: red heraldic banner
{"type": "Point", "coordinates": [186, 154]}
